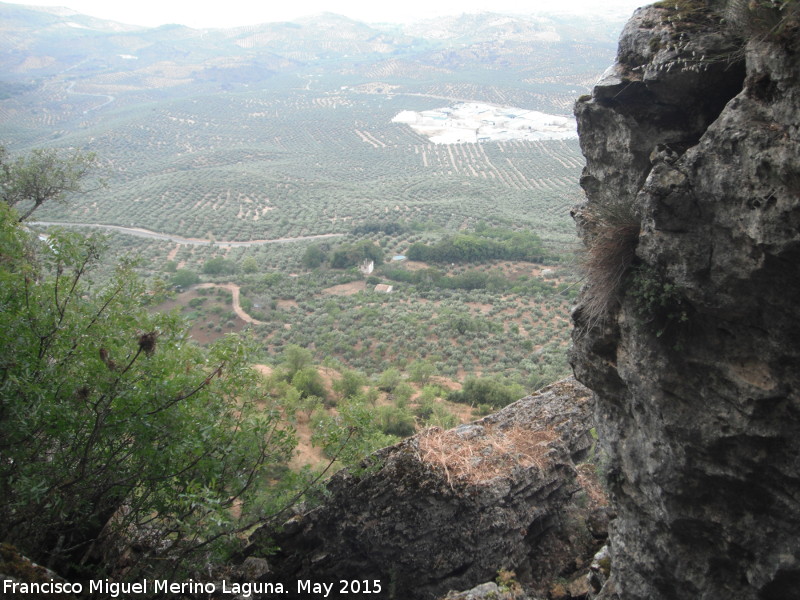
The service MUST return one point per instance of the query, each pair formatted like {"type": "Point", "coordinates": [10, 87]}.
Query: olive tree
{"type": "Point", "coordinates": [44, 175]}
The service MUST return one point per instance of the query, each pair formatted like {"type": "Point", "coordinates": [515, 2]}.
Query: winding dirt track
{"type": "Point", "coordinates": [146, 233]}
{"type": "Point", "coordinates": [237, 307]}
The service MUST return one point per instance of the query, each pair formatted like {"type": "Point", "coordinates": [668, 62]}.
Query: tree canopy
{"type": "Point", "coordinates": [486, 244]}
{"type": "Point", "coordinates": [42, 176]}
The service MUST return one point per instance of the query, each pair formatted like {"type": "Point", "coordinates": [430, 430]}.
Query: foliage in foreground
{"type": "Point", "coordinates": [115, 430]}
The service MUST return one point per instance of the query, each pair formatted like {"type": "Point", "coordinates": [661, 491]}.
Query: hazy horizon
{"type": "Point", "coordinates": [235, 13]}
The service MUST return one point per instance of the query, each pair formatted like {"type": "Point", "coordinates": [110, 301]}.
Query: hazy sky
{"type": "Point", "coordinates": [229, 13]}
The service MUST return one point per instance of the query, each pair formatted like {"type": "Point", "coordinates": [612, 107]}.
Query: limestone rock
{"type": "Point", "coordinates": [485, 591]}
{"type": "Point", "coordinates": [446, 510]}
{"type": "Point", "coordinates": [16, 568]}
{"type": "Point", "coordinates": [698, 385]}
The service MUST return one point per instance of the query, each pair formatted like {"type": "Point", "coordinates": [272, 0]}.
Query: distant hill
{"type": "Point", "coordinates": [279, 131]}
{"type": "Point", "coordinates": [44, 42]}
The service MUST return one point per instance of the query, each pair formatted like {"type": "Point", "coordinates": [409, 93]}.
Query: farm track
{"type": "Point", "coordinates": [108, 98]}
{"type": "Point", "coordinates": [237, 307]}
{"type": "Point", "coordinates": [146, 233]}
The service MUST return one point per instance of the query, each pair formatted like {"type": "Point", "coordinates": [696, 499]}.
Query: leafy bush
{"type": "Point", "coordinates": [659, 302]}
{"type": "Point", "coordinates": [351, 255]}
{"type": "Point", "coordinates": [351, 434]}
{"type": "Point", "coordinates": [219, 266]}
{"type": "Point", "coordinates": [349, 384]}
{"type": "Point", "coordinates": [389, 228]}
{"type": "Point", "coordinates": [487, 245]}
{"type": "Point", "coordinates": [441, 417]}
{"type": "Point", "coordinates": [295, 358]}
{"type": "Point", "coordinates": [489, 391]}
{"type": "Point", "coordinates": [395, 421]}
{"type": "Point", "coordinates": [308, 382]}
{"type": "Point", "coordinates": [112, 425]}
{"type": "Point", "coordinates": [184, 278]}
{"type": "Point", "coordinates": [389, 379]}
{"type": "Point", "coordinates": [314, 256]}
{"type": "Point", "coordinates": [249, 265]}
{"type": "Point", "coordinates": [421, 371]}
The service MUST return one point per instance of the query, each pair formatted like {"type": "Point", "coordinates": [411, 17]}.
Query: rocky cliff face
{"type": "Point", "coordinates": [446, 510]}
{"type": "Point", "coordinates": [695, 356]}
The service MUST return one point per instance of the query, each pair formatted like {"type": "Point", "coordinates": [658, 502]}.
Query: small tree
{"type": "Point", "coordinates": [219, 266]}
{"type": "Point", "coordinates": [314, 256]}
{"type": "Point", "coordinates": [389, 379]}
{"type": "Point", "coordinates": [294, 358]}
{"type": "Point", "coordinates": [184, 278]}
{"type": "Point", "coordinates": [349, 384]}
{"type": "Point", "coordinates": [308, 382]}
{"type": "Point", "coordinates": [42, 176]}
{"type": "Point", "coordinates": [250, 265]}
{"type": "Point", "coordinates": [421, 371]}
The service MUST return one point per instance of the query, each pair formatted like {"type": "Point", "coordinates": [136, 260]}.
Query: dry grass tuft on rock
{"type": "Point", "coordinates": [476, 454]}
{"type": "Point", "coordinates": [609, 254]}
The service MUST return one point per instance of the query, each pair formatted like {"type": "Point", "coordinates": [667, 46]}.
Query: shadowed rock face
{"type": "Point", "coordinates": [445, 510]}
{"type": "Point", "coordinates": [698, 402]}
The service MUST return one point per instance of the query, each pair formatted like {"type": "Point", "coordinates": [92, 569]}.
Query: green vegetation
{"type": "Point", "coordinates": [485, 244]}
{"type": "Point", "coordinates": [133, 400]}
{"type": "Point", "coordinates": [342, 256]}
{"type": "Point", "coordinates": [219, 266]}
{"type": "Point", "coordinates": [112, 422]}
{"type": "Point", "coordinates": [487, 391]}
{"type": "Point", "coordinates": [352, 255]}
{"type": "Point", "coordinates": [184, 278]}
{"type": "Point", "coordinates": [276, 160]}
{"type": "Point", "coordinates": [44, 175]}
{"type": "Point", "coordinates": [659, 302]}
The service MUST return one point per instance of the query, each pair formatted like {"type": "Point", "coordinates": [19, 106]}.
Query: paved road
{"type": "Point", "coordinates": [146, 233]}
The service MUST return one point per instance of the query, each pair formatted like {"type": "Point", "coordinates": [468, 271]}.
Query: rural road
{"type": "Point", "coordinates": [146, 233]}
{"type": "Point", "coordinates": [237, 307]}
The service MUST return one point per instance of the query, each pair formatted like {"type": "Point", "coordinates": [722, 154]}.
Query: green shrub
{"type": "Point", "coordinates": [389, 379]}
{"type": "Point", "coordinates": [349, 384]}
{"type": "Point", "coordinates": [219, 266]}
{"type": "Point", "coordinates": [309, 382]}
{"type": "Point", "coordinates": [658, 302]}
{"type": "Point", "coordinates": [395, 421]}
{"type": "Point", "coordinates": [441, 417]}
{"type": "Point", "coordinates": [114, 424]}
{"type": "Point", "coordinates": [184, 278]}
{"type": "Point", "coordinates": [489, 391]}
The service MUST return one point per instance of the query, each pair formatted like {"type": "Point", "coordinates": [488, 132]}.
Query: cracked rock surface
{"type": "Point", "coordinates": [446, 510]}
{"type": "Point", "coordinates": [698, 398]}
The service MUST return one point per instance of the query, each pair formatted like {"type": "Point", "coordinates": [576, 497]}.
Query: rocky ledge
{"type": "Point", "coordinates": [447, 510]}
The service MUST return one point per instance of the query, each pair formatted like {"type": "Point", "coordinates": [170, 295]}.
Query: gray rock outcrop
{"type": "Point", "coordinates": [696, 362]}
{"type": "Point", "coordinates": [446, 510]}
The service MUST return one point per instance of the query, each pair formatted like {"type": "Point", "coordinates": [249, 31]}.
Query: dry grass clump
{"type": "Point", "coordinates": [590, 482]}
{"type": "Point", "coordinates": [609, 254]}
{"type": "Point", "coordinates": [492, 453]}
{"type": "Point", "coordinates": [777, 20]}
